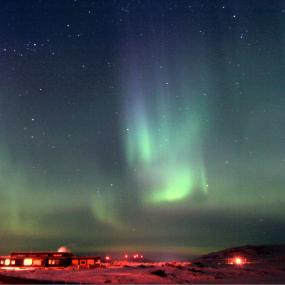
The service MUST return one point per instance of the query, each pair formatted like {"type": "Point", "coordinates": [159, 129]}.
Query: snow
{"type": "Point", "coordinates": [213, 268]}
{"type": "Point", "coordinates": [155, 273]}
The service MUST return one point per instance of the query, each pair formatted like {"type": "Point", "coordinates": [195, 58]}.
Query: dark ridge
{"type": "Point", "coordinates": [251, 252]}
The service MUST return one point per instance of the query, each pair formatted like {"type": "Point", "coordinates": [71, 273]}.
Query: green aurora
{"type": "Point", "coordinates": [142, 125]}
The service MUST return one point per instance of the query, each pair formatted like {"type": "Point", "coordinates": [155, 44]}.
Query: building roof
{"type": "Point", "coordinates": [41, 254]}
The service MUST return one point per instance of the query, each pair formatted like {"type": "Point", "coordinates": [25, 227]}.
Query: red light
{"type": "Point", "coordinates": [141, 256]}
{"type": "Point", "coordinates": [107, 257]}
{"type": "Point", "coordinates": [238, 261]}
{"type": "Point", "coordinates": [126, 256]}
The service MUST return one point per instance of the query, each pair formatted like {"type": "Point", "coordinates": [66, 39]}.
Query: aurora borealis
{"type": "Point", "coordinates": [160, 139]}
{"type": "Point", "coordinates": [149, 125]}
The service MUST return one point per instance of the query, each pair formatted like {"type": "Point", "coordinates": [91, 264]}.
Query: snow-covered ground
{"type": "Point", "coordinates": [171, 272]}
{"type": "Point", "coordinates": [263, 267]}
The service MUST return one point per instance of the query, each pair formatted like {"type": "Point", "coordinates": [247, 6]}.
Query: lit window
{"type": "Point", "coordinates": [37, 262]}
{"type": "Point", "coordinates": [13, 262]}
{"type": "Point", "coordinates": [28, 261]}
{"type": "Point", "coordinates": [7, 262]}
{"type": "Point", "coordinates": [90, 261]}
{"type": "Point", "coordinates": [75, 261]}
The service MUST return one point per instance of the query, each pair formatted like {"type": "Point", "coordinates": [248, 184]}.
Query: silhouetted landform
{"type": "Point", "coordinates": [254, 254]}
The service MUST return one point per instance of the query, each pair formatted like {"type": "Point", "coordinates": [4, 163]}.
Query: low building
{"type": "Point", "coordinates": [47, 259]}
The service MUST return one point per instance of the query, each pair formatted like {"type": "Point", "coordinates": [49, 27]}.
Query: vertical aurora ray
{"type": "Point", "coordinates": [139, 143]}
{"type": "Point", "coordinates": [162, 139]}
{"type": "Point", "coordinates": [105, 211]}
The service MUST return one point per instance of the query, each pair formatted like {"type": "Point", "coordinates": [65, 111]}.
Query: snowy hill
{"type": "Point", "coordinates": [254, 254]}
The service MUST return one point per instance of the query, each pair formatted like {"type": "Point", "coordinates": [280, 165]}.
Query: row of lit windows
{"type": "Point", "coordinates": [53, 261]}
{"type": "Point", "coordinates": [40, 262]}
{"type": "Point", "coordinates": [26, 262]}
{"type": "Point", "coordinates": [7, 262]}
{"type": "Point", "coordinates": [83, 261]}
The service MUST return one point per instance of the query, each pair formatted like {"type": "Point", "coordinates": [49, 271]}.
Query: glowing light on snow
{"type": "Point", "coordinates": [238, 261]}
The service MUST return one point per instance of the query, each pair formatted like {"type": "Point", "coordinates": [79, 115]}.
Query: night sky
{"type": "Point", "coordinates": [153, 125]}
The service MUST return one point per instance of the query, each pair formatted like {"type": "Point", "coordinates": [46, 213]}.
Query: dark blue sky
{"type": "Point", "coordinates": [152, 125]}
